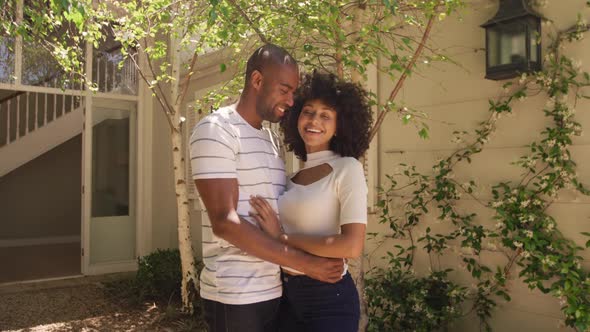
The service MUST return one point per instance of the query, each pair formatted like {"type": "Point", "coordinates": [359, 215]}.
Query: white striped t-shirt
{"type": "Point", "coordinates": [224, 145]}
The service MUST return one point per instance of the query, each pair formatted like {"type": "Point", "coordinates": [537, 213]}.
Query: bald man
{"type": "Point", "coordinates": [233, 157]}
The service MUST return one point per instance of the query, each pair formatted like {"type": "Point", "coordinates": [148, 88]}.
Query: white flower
{"type": "Point", "coordinates": [517, 244]}
{"type": "Point", "coordinates": [497, 204]}
{"type": "Point", "coordinates": [550, 143]}
{"type": "Point", "coordinates": [548, 261]}
{"type": "Point", "coordinates": [500, 225]}
{"type": "Point", "coordinates": [526, 254]}
{"type": "Point", "coordinates": [522, 78]}
{"type": "Point", "coordinates": [528, 233]}
{"type": "Point", "coordinates": [524, 204]}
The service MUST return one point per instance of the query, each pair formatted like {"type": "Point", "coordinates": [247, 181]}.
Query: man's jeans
{"type": "Point", "coordinates": [255, 317]}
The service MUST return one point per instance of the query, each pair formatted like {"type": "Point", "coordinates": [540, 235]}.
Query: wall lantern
{"type": "Point", "coordinates": [513, 44]}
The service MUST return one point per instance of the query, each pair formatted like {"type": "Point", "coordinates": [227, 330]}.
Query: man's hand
{"type": "Point", "coordinates": [324, 269]}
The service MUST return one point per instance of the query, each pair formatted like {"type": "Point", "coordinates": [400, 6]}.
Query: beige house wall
{"type": "Point", "coordinates": [164, 211]}
{"type": "Point", "coordinates": [456, 98]}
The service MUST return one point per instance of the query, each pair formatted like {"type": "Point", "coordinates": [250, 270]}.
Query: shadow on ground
{"type": "Point", "coordinates": [84, 308]}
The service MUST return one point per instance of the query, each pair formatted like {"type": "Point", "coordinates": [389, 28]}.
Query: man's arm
{"type": "Point", "coordinates": [220, 197]}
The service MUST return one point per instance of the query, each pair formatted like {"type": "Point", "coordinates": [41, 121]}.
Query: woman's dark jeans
{"type": "Point", "coordinates": [311, 305]}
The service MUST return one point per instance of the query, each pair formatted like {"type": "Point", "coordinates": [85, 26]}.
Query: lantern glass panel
{"type": "Point", "coordinates": [534, 47]}
{"type": "Point", "coordinates": [507, 44]}
{"type": "Point", "coordinates": [534, 32]}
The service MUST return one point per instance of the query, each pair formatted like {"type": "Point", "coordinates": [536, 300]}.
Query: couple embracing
{"type": "Point", "coordinates": [275, 247]}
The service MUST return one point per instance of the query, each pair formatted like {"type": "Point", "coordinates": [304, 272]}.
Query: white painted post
{"type": "Point", "coordinates": [17, 133]}
{"type": "Point", "coordinates": [54, 107]}
{"type": "Point", "coordinates": [27, 112]}
{"type": "Point", "coordinates": [63, 105]}
{"type": "Point", "coordinates": [36, 110]}
{"type": "Point", "coordinates": [114, 77]}
{"type": "Point", "coordinates": [106, 74]}
{"type": "Point", "coordinates": [46, 110]}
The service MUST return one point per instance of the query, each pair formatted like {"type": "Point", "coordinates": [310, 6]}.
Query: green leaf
{"type": "Point", "coordinates": [423, 133]}
{"type": "Point", "coordinates": [223, 67]}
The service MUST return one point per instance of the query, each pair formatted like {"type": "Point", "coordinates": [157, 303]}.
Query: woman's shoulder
{"type": "Point", "coordinates": [346, 165]}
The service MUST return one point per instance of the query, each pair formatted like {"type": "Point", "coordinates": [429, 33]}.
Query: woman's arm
{"type": "Point", "coordinates": [352, 195]}
{"type": "Point", "coordinates": [348, 244]}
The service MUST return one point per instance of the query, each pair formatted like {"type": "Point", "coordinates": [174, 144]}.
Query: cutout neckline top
{"type": "Point", "coordinates": [315, 160]}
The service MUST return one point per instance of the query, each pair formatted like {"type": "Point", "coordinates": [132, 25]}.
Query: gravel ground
{"type": "Point", "coordinates": [82, 307]}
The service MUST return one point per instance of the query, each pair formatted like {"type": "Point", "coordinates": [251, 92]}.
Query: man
{"type": "Point", "coordinates": [233, 157]}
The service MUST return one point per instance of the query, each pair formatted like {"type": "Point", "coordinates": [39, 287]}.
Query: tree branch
{"type": "Point", "coordinates": [252, 25]}
{"type": "Point", "coordinates": [401, 80]}
{"type": "Point", "coordinates": [164, 107]}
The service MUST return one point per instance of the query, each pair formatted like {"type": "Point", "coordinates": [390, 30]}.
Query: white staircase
{"type": "Point", "coordinates": [34, 123]}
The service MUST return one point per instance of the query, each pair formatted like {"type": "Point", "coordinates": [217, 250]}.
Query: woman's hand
{"type": "Point", "coordinates": [266, 216]}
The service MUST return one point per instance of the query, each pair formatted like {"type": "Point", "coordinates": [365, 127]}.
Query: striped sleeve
{"type": "Point", "coordinates": [213, 150]}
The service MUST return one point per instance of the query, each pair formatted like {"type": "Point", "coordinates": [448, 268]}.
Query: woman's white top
{"type": "Point", "coordinates": [322, 207]}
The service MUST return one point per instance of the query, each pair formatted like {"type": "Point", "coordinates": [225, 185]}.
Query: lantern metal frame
{"type": "Point", "coordinates": [514, 13]}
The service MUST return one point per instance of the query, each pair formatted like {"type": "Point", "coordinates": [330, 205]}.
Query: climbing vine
{"type": "Point", "coordinates": [523, 229]}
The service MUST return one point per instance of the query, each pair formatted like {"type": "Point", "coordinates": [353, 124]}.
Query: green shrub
{"type": "Point", "coordinates": [400, 301]}
{"type": "Point", "coordinates": [159, 275]}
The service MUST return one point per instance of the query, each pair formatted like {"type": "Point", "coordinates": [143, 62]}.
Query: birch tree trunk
{"type": "Point", "coordinates": [355, 266]}
{"type": "Point", "coordinates": [185, 247]}
{"type": "Point", "coordinates": [185, 243]}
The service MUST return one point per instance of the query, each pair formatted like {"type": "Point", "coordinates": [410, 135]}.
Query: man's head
{"type": "Point", "coordinates": [272, 76]}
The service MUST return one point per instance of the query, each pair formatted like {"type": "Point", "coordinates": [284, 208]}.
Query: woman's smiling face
{"type": "Point", "coordinates": [317, 125]}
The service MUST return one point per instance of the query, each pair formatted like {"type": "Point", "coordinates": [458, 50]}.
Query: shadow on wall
{"type": "Point", "coordinates": [42, 198]}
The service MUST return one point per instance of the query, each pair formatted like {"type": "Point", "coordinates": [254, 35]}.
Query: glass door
{"type": "Point", "coordinates": [110, 182]}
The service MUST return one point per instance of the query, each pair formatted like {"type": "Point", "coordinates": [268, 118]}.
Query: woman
{"type": "Point", "coordinates": [324, 209]}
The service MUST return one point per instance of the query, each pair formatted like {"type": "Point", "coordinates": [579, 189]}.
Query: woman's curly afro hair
{"type": "Point", "coordinates": [353, 120]}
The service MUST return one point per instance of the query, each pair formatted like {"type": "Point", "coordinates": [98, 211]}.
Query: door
{"type": "Point", "coordinates": [109, 223]}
